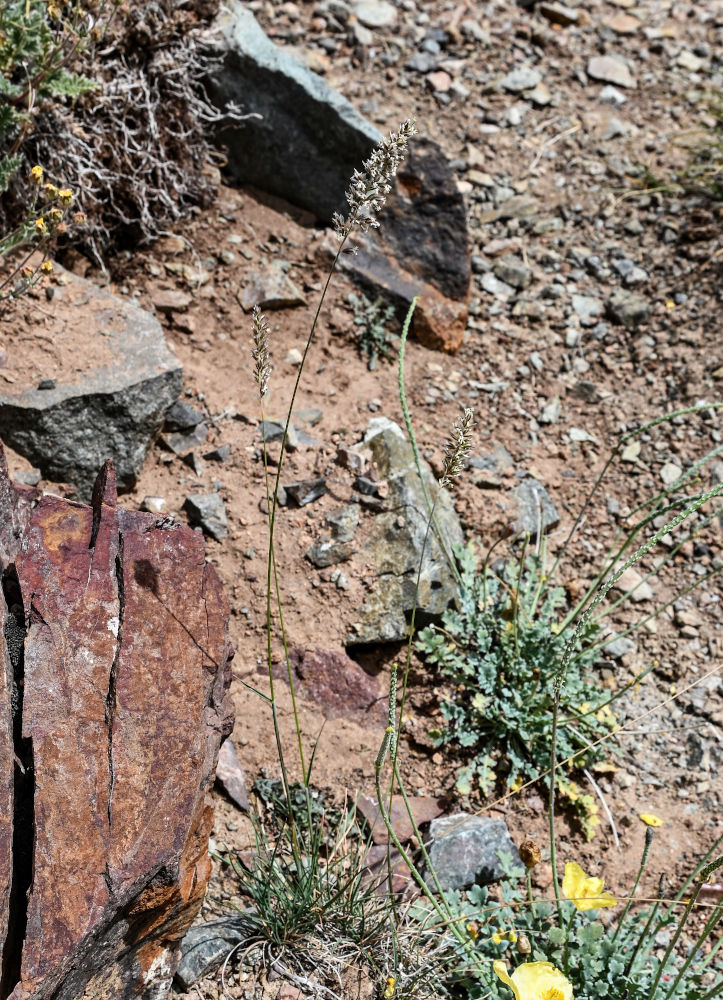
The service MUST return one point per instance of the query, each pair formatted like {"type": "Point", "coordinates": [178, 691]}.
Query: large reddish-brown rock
{"type": "Point", "coordinates": [114, 680]}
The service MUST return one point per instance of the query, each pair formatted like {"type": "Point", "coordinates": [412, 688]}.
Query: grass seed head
{"type": "Point", "coordinates": [370, 186]}
{"type": "Point", "coordinates": [260, 352]}
{"type": "Point", "coordinates": [458, 448]}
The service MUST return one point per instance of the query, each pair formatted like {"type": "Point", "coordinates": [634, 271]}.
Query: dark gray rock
{"type": "Point", "coordinates": [512, 271]}
{"type": "Point", "coordinates": [182, 417]}
{"type": "Point", "coordinates": [206, 946]}
{"type": "Point", "coordinates": [329, 553]}
{"type": "Point", "coordinates": [536, 509]}
{"type": "Point", "coordinates": [305, 491]}
{"type": "Point", "coordinates": [399, 541]}
{"type": "Point", "coordinates": [627, 309]}
{"type": "Point", "coordinates": [208, 511]}
{"type": "Point", "coordinates": [305, 148]}
{"type": "Point", "coordinates": [464, 850]}
{"type": "Point", "coordinates": [182, 443]}
{"type": "Point", "coordinates": [309, 138]}
{"type": "Point", "coordinates": [115, 411]}
{"type": "Point", "coordinates": [220, 454]}
{"type": "Point", "coordinates": [343, 524]}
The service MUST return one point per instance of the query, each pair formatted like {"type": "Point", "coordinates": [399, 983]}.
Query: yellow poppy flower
{"type": "Point", "coordinates": [585, 891]}
{"type": "Point", "coordinates": [37, 174]}
{"type": "Point", "coordinates": [535, 981]}
{"type": "Point", "coordinates": [650, 819]}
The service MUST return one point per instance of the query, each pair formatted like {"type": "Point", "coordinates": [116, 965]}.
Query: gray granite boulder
{"type": "Point", "coordinates": [397, 543]}
{"type": "Point", "coordinates": [113, 409]}
{"type": "Point", "coordinates": [309, 138]}
{"type": "Point", "coordinates": [465, 850]}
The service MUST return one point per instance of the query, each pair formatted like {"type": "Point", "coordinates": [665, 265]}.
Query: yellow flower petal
{"type": "Point", "coordinates": [535, 981]}
{"type": "Point", "coordinates": [584, 891]}
{"type": "Point", "coordinates": [501, 970]}
{"type": "Point", "coordinates": [650, 819]}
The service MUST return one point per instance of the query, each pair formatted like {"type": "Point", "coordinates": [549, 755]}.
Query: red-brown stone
{"type": "Point", "coordinates": [423, 809]}
{"type": "Point", "coordinates": [125, 704]}
{"type": "Point", "coordinates": [339, 685]}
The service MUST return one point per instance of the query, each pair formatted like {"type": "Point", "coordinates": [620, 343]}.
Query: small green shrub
{"type": "Point", "coordinates": [500, 649]}
{"type": "Point", "coordinates": [371, 319]}
{"type": "Point", "coordinates": [38, 41]}
{"type": "Point", "coordinates": [618, 959]}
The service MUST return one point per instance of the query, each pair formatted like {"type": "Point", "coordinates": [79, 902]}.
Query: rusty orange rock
{"type": "Point", "coordinates": [123, 669]}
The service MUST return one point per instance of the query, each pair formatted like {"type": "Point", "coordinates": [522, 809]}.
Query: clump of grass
{"type": "Point", "coordinates": [314, 907]}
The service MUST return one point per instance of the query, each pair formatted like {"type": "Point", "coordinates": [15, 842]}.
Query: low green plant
{"type": "Point", "coordinates": [519, 657]}
{"type": "Point", "coordinates": [371, 320]}
{"type": "Point", "coordinates": [38, 43]}
{"type": "Point", "coordinates": [499, 651]}
{"type": "Point", "coordinates": [621, 958]}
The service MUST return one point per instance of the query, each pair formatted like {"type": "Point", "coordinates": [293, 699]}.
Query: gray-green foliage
{"type": "Point", "coordinates": [34, 51]}
{"type": "Point", "coordinates": [616, 960]}
{"type": "Point", "coordinates": [499, 650]}
{"type": "Point", "coordinates": [372, 319]}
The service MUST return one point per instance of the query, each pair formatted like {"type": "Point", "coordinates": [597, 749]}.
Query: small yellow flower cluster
{"type": "Point", "coordinates": [389, 988]}
{"type": "Point", "coordinates": [499, 936]}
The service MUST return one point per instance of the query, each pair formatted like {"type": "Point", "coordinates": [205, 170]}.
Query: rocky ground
{"type": "Point", "coordinates": [595, 307]}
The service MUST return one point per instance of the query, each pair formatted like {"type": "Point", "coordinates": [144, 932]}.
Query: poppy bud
{"type": "Point", "coordinates": [530, 853]}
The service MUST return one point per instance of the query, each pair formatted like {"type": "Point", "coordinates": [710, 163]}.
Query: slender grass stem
{"type": "Point", "coordinates": [551, 807]}
{"type": "Point", "coordinates": [702, 878]}
{"type": "Point", "coordinates": [649, 835]}
{"type": "Point", "coordinates": [702, 937]}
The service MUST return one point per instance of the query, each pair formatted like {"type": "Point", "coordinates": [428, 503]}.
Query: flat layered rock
{"type": "Point", "coordinates": [117, 652]}
{"type": "Point", "coordinates": [115, 380]}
